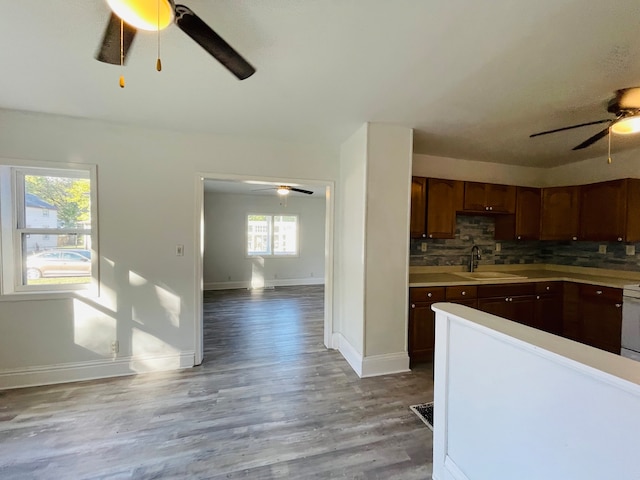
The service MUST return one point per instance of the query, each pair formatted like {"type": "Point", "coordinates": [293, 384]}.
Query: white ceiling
{"type": "Point", "coordinates": [473, 78]}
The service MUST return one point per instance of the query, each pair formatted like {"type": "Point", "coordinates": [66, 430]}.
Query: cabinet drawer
{"type": "Point", "coordinates": [605, 293]}
{"type": "Point", "coordinates": [506, 290]}
{"type": "Point", "coordinates": [426, 294]}
{"type": "Point", "coordinates": [543, 288]}
{"type": "Point", "coordinates": [462, 292]}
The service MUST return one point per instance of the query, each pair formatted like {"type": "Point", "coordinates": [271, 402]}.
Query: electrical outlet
{"type": "Point", "coordinates": [498, 247]}
{"type": "Point", "coordinates": [423, 247]}
{"type": "Point", "coordinates": [631, 249]}
{"type": "Point", "coordinates": [179, 250]}
{"type": "Point", "coordinates": [115, 346]}
{"type": "Point", "coordinates": [602, 249]}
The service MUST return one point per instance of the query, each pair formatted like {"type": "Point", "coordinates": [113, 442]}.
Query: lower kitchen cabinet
{"type": "Point", "coordinates": [422, 321]}
{"type": "Point", "coordinates": [547, 313]}
{"type": "Point", "coordinates": [514, 301]}
{"type": "Point", "coordinates": [601, 317]}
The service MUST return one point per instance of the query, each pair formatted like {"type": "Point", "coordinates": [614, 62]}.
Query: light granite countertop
{"type": "Point", "coordinates": [448, 276]}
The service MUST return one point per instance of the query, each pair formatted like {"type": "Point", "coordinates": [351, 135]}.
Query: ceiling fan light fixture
{"type": "Point", "coordinates": [627, 125]}
{"type": "Point", "coordinates": [151, 15]}
{"type": "Point", "coordinates": [283, 190]}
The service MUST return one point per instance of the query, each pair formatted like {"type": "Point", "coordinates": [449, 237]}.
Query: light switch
{"type": "Point", "coordinates": [423, 247]}
{"type": "Point", "coordinates": [179, 250]}
{"type": "Point", "coordinates": [602, 249]}
{"type": "Point", "coordinates": [631, 249]}
{"type": "Point", "coordinates": [498, 247]}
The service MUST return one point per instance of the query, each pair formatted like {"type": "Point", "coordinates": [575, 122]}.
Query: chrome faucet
{"type": "Point", "coordinates": [475, 256]}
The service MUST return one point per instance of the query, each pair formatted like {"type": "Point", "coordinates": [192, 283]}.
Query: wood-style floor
{"type": "Point", "coordinates": [268, 402]}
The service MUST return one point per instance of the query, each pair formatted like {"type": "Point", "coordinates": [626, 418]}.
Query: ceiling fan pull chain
{"type": "Point", "coordinates": [609, 151]}
{"type": "Point", "coordinates": [121, 52]}
{"type": "Point", "coordinates": [158, 62]}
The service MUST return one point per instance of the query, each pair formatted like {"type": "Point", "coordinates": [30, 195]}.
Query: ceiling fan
{"type": "Point", "coordinates": [626, 108]}
{"type": "Point", "coordinates": [285, 190]}
{"type": "Point", "coordinates": [155, 15]}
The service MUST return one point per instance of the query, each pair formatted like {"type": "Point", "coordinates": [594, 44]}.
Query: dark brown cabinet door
{"type": "Point", "coordinates": [443, 199]}
{"type": "Point", "coordinates": [421, 332]}
{"type": "Point", "coordinates": [560, 213]}
{"type": "Point", "coordinates": [548, 313]}
{"type": "Point", "coordinates": [474, 196]}
{"type": "Point", "coordinates": [602, 211]}
{"type": "Point", "coordinates": [601, 317]}
{"type": "Point", "coordinates": [418, 207]}
{"type": "Point", "coordinates": [501, 198]}
{"type": "Point", "coordinates": [525, 224]}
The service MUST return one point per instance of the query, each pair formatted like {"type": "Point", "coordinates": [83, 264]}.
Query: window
{"type": "Point", "coordinates": [272, 235]}
{"type": "Point", "coordinates": [52, 251]}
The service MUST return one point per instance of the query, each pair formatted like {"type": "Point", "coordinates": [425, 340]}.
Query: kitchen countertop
{"type": "Point", "coordinates": [446, 276]}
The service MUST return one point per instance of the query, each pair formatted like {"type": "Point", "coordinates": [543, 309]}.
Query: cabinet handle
{"type": "Point", "coordinates": [618, 305]}
{"type": "Point", "coordinates": [424, 235]}
{"type": "Point", "coordinates": [537, 297]}
{"type": "Point", "coordinates": [413, 305]}
{"type": "Point", "coordinates": [464, 293]}
{"type": "Point", "coordinates": [519, 237]}
{"type": "Point", "coordinates": [429, 294]}
{"type": "Point", "coordinates": [490, 208]}
{"type": "Point", "coordinates": [574, 238]}
{"type": "Point", "coordinates": [548, 288]}
{"type": "Point", "coordinates": [431, 235]}
{"type": "Point", "coordinates": [598, 292]}
{"type": "Point", "coordinates": [619, 239]}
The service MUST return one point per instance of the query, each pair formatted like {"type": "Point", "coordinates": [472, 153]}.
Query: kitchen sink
{"type": "Point", "coordinates": [489, 275]}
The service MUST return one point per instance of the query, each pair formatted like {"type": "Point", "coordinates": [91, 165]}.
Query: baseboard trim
{"type": "Point", "coordinates": [350, 354]}
{"type": "Point", "coordinates": [284, 282]}
{"type": "Point", "coordinates": [386, 364]}
{"type": "Point", "coordinates": [93, 369]}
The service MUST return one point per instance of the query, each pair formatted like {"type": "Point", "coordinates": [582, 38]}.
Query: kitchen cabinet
{"type": "Point", "coordinates": [608, 211]}
{"type": "Point", "coordinates": [422, 322]}
{"type": "Point", "coordinates": [514, 301]}
{"type": "Point", "coordinates": [434, 203]}
{"type": "Point", "coordinates": [463, 295]}
{"type": "Point", "coordinates": [560, 213]}
{"type": "Point", "coordinates": [489, 198]}
{"type": "Point", "coordinates": [547, 313]}
{"type": "Point", "coordinates": [418, 207]}
{"type": "Point", "coordinates": [601, 317]}
{"type": "Point", "coordinates": [571, 311]}
{"type": "Point", "coordinates": [525, 224]}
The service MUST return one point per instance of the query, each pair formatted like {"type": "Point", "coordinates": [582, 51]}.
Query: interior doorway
{"type": "Point", "coordinates": [246, 184]}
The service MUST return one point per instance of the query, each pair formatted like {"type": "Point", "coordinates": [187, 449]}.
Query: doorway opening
{"type": "Point", "coordinates": [225, 186]}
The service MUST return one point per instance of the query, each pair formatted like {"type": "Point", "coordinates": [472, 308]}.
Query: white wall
{"type": "Point", "coordinates": [350, 242]}
{"type": "Point", "coordinates": [624, 165]}
{"type": "Point", "coordinates": [513, 402]}
{"type": "Point", "coordinates": [147, 204]}
{"type": "Point", "coordinates": [225, 262]}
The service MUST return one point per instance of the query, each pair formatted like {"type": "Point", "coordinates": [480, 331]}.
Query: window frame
{"type": "Point", "coordinates": [12, 225]}
{"type": "Point", "coordinates": [271, 238]}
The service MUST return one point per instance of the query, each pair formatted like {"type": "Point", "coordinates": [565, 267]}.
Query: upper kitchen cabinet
{"type": "Point", "coordinates": [434, 203]}
{"type": "Point", "coordinates": [418, 207]}
{"type": "Point", "coordinates": [525, 224]}
{"type": "Point", "coordinates": [489, 198]}
{"type": "Point", "coordinates": [609, 211]}
{"type": "Point", "coordinates": [560, 213]}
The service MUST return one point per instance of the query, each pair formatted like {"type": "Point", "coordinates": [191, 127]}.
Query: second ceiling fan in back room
{"type": "Point", "coordinates": [154, 15]}
{"type": "Point", "coordinates": [625, 105]}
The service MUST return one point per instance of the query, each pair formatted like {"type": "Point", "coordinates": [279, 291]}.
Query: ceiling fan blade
{"type": "Point", "coordinates": [569, 128]}
{"type": "Point", "coordinates": [308, 192]}
{"type": "Point", "coordinates": [592, 140]}
{"type": "Point", "coordinates": [110, 47]}
{"type": "Point", "coordinates": [213, 43]}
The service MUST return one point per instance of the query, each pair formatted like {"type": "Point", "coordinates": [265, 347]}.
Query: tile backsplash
{"type": "Point", "coordinates": [479, 230]}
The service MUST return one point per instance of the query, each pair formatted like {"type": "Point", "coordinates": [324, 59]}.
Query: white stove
{"type": "Point", "coordinates": [631, 322]}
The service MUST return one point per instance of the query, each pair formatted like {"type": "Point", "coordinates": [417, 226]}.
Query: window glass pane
{"type": "Point", "coordinates": [285, 235]}
{"type": "Point", "coordinates": [56, 202]}
{"type": "Point", "coordinates": [258, 235]}
{"type": "Point", "coordinates": [56, 259]}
